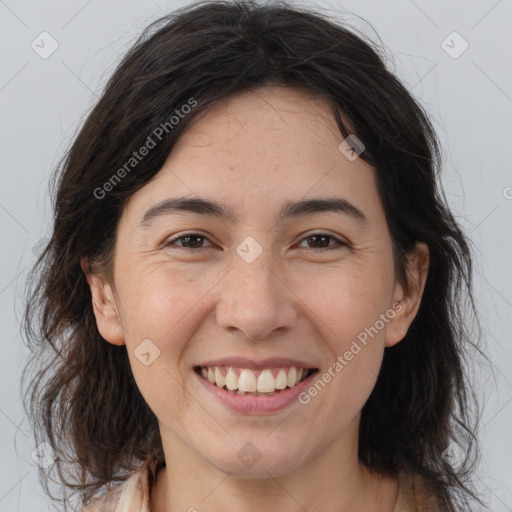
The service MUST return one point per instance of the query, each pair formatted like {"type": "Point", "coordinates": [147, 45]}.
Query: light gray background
{"type": "Point", "coordinates": [43, 101]}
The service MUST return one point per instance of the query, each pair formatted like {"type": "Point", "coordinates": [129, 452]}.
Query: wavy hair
{"type": "Point", "coordinates": [80, 394]}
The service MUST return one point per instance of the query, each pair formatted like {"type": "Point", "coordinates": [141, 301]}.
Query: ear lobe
{"type": "Point", "coordinates": [104, 306]}
{"type": "Point", "coordinates": [409, 299]}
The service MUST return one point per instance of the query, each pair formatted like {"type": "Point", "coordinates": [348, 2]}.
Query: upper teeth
{"type": "Point", "coordinates": [261, 381]}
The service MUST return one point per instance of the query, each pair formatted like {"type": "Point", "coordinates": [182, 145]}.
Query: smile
{"type": "Point", "coordinates": [244, 381]}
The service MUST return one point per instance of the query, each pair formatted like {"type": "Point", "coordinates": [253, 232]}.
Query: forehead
{"type": "Point", "coordinates": [257, 149]}
{"type": "Point", "coordinates": [256, 122]}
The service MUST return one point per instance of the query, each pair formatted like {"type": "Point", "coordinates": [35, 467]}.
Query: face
{"type": "Point", "coordinates": [254, 290]}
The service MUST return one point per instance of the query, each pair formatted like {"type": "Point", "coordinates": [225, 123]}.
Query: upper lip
{"type": "Point", "coordinates": [250, 364]}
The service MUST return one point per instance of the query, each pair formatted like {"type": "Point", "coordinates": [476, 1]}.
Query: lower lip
{"type": "Point", "coordinates": [248, 404]}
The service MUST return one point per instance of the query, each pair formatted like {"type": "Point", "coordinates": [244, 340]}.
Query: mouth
{"type": "Point", "coordinates": [259, 383]}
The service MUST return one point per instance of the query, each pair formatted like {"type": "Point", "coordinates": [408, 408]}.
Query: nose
{"type": "Point", "coordinates": [255, 300]}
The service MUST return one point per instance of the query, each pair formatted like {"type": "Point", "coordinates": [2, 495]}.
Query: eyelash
{"type": "Point", "coordinates": [170, 243]}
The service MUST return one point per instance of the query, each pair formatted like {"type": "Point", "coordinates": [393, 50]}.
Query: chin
{"type": "Point", "coordinates": [257, 460]}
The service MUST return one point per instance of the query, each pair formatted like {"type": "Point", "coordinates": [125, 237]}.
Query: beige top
{"type": "Point", "coordinates": [133, 496]}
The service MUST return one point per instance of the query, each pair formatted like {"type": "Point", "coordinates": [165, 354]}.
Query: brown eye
{"type": "Point", "coordinates": [321, 241]}
{"type": "Point", "coordinates": [191, 241]}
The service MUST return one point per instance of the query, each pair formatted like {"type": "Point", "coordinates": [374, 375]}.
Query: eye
{"type": "Point", "coordinates": [191, 241]}
{"type": "Point", "coordinates": [323, 240]}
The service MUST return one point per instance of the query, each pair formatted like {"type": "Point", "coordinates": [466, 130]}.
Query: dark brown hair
{"type": "Point", "coordinates": [81, 396]}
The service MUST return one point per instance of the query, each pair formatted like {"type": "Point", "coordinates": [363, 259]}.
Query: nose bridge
{"type": "Point", "coordinates": [254, 298]}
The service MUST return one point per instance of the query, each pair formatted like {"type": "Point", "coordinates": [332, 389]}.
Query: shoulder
{"type": "Point", "coordinates": [416, 495]}
{"type": "Point", "coordinates": [130, 496]}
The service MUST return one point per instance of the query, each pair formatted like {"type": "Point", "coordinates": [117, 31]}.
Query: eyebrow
{"type": "Point", "coordinates": [289, 209]}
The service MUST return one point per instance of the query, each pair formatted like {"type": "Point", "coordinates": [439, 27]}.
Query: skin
{"type": "Point", "coordinates": [252, 152]}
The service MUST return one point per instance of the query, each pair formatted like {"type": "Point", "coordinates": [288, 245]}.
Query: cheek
{"type": "Point", "coordinates": [353, 306]}
{"type": "Point", "coordinates": [158, 309]}
{"type": "Point", "coordinates": [158, 312]}
{"type": "Point", "coordinates": [159, 302]}
{"type": "Point", "coordinates": [162, 310]}
{"type": "Point", "coordinates": [349, 302]}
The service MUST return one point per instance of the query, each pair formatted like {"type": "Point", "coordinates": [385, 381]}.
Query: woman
{"type": "Point", "coordinates": [252, 295]}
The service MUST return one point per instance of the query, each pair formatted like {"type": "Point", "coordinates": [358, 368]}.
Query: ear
{"type": "Point", "coordinates": [104, 305]}
{"type": "Point", "coordinates": [407, 302]}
